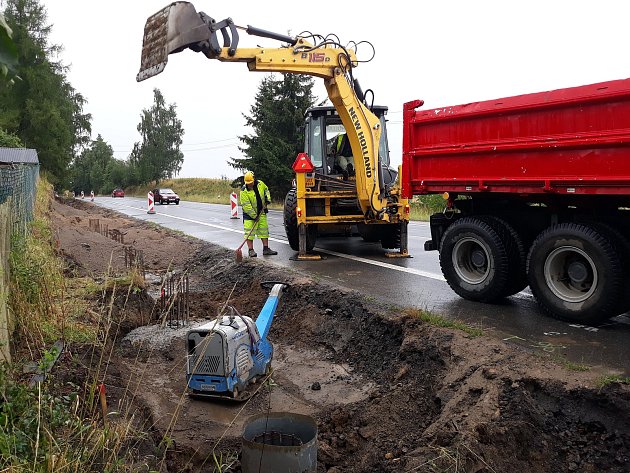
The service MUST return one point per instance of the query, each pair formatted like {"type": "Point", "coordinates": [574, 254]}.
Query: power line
{"type": "Point", "coordinates": [191, 150]}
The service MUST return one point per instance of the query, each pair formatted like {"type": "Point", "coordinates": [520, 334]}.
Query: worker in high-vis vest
{"type": "Point", "coordinates": [255, 198]}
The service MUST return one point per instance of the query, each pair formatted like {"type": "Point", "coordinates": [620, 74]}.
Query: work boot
{"type": "Point", "coordinates": [268, 251]}
{"type": "Point", "coordinates": [350, 170]}
{"type": "Point", "coordinates": [252, 253]}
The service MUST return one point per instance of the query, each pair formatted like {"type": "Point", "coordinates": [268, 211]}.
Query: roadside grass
{"type": "Point", "coordinates": [56, 425]}
{"type": "Point", "coordinates": [443, 322]}
{"type": "Point", "coordinates": [422, 207]}
{"type": "Point", "coordinates": [197, 189]}
{"type": "Point", "coordinates": [612, 379]}
{"type": "Point", "coordinates": [575, 366]}
{"type": "Point", "coordinates": [217, 191]}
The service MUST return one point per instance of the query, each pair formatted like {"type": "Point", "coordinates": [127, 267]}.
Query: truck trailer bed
{"type": "Point", "coordinates": [566, 141]}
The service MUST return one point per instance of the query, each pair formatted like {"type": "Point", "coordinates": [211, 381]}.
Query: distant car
{"type": "Point", "coordinates": [118, 193]}
{"type": "Point", "coordinates": [165, 196]}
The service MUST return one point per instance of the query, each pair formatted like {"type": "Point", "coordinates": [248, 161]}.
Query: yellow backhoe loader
{"type": "Point", "coordinates": [366, 193]}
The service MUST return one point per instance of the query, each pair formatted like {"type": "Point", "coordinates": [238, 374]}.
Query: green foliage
{"type": "Point", "coordinates": [196, 189]}
{"type": "Point", "coordinates": [37, 294]}
{"type": "Point", "coordinates": [440, 321]}
{"type": "Point", "coordinates": [96, 169]}
{"type": "Point", "coordinates": [422, 207]}
{"type": "Point", "coordinates": [277, 118]}
{"type": "Point", "coordinates": [612, 379]}
{"type": "Point", "coordinates": [28, 422]}
{"type": "Point", "coordinates": [158, 156]}
{"type": "Point", "coordinates": [42, 109]}
{"type": "Point", "coordinates": [9, 140]}
{"type": "Point", "coordinates": [575, 366]}
{"type": "Point", "coordinates": [8, 51]}
{"type": "Point", "coordinates": [53, 426]}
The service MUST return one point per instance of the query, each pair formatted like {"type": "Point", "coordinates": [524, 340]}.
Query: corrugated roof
{"type": "Point", "coordinates": [18, 155]}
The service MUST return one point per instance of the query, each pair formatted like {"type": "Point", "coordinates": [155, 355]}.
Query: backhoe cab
{"type": "Point", "coordinates": [360, 189]}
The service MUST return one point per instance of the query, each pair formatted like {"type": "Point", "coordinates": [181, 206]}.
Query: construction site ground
{"type": "Point", "coordinates": [389, 392]}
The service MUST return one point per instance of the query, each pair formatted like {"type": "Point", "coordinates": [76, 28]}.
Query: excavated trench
{"type": "Point", "coordinates": [389, 392]}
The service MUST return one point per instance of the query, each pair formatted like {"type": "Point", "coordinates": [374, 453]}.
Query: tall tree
{"type": "Point", "coordinates": [90, 169]}
{"type": "Point", "coordinates": [277, 118]}
{"type": "Point", "coordinates": [158, 156]}
{"type": "Point", "coordinates": [9, 140]}
{"type": "Point", "coordinates": [8, 51]}
{"type": "Point", "coordinates": [43, 109]}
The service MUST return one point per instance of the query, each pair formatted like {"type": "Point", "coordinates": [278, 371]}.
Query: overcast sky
{"type": "Point", "coordinates": [444, 52]}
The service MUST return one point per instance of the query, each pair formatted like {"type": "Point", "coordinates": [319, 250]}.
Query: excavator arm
{"type": "Point", "coordinates": [179, 26]}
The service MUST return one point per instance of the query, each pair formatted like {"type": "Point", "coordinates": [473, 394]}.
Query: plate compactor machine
{"type": "Point", "coordinates": [232, 352]}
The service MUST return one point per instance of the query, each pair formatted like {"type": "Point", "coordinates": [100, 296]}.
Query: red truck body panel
{"type": "Point", "coordinates": [566, 141]}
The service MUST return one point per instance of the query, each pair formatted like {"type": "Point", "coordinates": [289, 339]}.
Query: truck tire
{"type": "Point", "coordinates": [575, 274]}
{"type": "Point", "coordinates": [622, 248]}
{"type": "Point", "coordinates": [291, 227]}
{"type": "Point", "coordinates": [517, 256]}
{"type": "Point", "coordinates": [474, 260]}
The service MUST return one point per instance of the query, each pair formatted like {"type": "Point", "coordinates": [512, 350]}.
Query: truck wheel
{"type": "Point", "coordinates": [575, 273]}
{"type": "Point", "coordinates": [291, 227]}
{"type": "Point", "coordinates": [474, 260]}
{"type": "Point", "coordinates": [517, 256]}
{"type": "Point", "coordinates": [622, 248]}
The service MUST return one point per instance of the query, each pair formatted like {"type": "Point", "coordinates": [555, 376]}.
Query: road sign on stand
{"type": "Point", "coordinates": [151, 203]}
{"type": "Point", "coordinates": [233, 205]}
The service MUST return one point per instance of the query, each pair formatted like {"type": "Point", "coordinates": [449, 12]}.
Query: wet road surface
{"type": "Point", "coordinates": [414, 282]}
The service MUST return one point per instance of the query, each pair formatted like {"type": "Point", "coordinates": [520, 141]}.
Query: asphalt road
{"type": "Point", "coordinates": [415, 282]}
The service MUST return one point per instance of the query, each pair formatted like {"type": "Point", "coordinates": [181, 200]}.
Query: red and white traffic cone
{"type": "Point", "coordinates": [92, 196]}
{"type": "Point", "coordinates": [234, 205]}
{"type": "Point", "coordinates": [82, 195]}
{"type": "Point", "coordinates": [151, 203]}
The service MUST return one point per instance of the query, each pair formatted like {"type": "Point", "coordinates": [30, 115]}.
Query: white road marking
{"type": "Point", "coordinates": [426, 274]}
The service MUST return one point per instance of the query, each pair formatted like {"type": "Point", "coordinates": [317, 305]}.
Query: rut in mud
{"type": "Point", "coordinates": [389, 392]}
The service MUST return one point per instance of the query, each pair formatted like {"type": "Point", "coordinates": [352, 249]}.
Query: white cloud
{"type": "Point", "coordinates": [444, 52]}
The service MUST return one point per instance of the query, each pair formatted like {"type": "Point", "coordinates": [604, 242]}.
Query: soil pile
{"type": "Point", "coordinates": [389, 392]}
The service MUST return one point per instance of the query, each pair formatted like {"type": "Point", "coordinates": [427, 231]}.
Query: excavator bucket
{"type": "Point", "coordinates": [171, 30]}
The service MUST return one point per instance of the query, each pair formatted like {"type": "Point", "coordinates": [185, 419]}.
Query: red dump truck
{"type": "Point", "coordinates": [537, 191]}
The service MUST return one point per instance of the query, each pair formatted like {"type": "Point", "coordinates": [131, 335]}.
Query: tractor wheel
{"type": "Point", "coordinates": [575, 273]}
{"type": "Point", "coordinates": [369, 233]}
{"type": "Point", "coordinates": [474, 260]}
{"type": "Point", "coordinates": [391, 234]}
{"type": "Point", "coordinates": [291, 226]}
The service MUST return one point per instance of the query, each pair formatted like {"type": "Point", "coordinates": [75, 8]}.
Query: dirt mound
{"type": "Point", "coordinates": [390, 393]}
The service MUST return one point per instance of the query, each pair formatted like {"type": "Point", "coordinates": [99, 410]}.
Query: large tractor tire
{"type": "Point", "coordinates": [291, 226]}
{"type": "Point", "coordinates": [390, 236]}
{"type": "Point", "coordinates": [474, 260]}
{"type": "Point", "coordinates": [575, 273]}
{"type": "Point", "coordinates": [369, 233]}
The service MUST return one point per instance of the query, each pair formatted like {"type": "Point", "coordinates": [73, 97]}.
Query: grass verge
{"type": "Point", "coordinates": [58, 423]}
{"type": "Point", "coordinates": [439, 321]}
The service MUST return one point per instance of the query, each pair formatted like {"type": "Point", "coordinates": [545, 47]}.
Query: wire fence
{"type": "Point", "coordinates": [18, 184]}
{"type": "Point", "coordinates": [19, 171]}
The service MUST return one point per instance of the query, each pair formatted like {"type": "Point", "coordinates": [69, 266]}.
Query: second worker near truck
{"type": "Point", "coordinates": [255, 198]}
